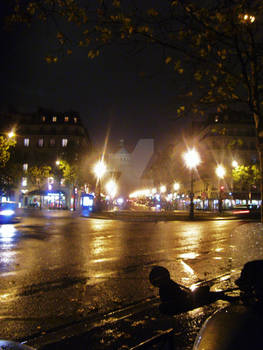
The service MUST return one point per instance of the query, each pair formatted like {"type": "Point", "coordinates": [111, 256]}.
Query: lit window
{"type": "Point", "coordinates": [54, 119]}
{"type": "Point", "coordinates": [25, 167]}
{"type": "Point", "coordinates": [40, 142]}
{"type": "Point", "coordinates": [26, 142]}
{"type": "Point", "coordinates": [64, 142]}
{"type": "Point", "coordinates": [75, 120]}
{"type": "Point", "coordinates": [66, 118]}
{"type": "Point", "coordinates": [43, 118]}
{"type": "Point", "coordinates": [52, 142]}
{"type": "Point", "coordinates": [24, 181]}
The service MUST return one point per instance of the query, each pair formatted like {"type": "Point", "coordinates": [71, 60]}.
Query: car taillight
{"type": "Point", "coordinates": [241, 212]}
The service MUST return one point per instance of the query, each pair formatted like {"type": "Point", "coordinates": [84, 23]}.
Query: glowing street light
{"type": "Point", "coordinates": [11, 134]}
{"type": "Point", "coordinates": [249, 18]}
{"type": "Point", "coordinates": [220, 172]}
{"type": "Point", "coordinates": [99, 170]}
{"type": "Point", "coordinates": [163, 189]}
{"type": "Point", "coordinates": [234, 164]}
{"type": "Point", "coordinates": [192, 160]}
{"type": "Point", "coordinates": [176, 186]}
{"type": "Point", "coordinates": [154, 190]}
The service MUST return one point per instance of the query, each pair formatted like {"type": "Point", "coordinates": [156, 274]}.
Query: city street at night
{"type": "Point", "coordinates": [62, 273]}
{"type": "Point", "coordinates": [131, 175]}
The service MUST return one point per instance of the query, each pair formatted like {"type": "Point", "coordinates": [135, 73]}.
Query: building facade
{"type": "Point", "coordinates": [43, 138]}
{"type": "Point", "coordinates": [225, 139]}
{"type": "Point", "coordinates": [128, 167]}
{"type": "Point", "coordinates": [228, 140]}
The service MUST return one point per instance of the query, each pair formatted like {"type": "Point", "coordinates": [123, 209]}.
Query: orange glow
{"type": "Point", "coordinates": [192, 158]}
{"type": "Point", "coordinates": [241, 212]}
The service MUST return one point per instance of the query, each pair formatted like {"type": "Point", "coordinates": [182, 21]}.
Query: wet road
{"type": "Point", "coordinates": [57, 268]}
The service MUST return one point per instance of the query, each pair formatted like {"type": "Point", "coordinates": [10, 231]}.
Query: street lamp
{"type": "Point", "coordinates": [220, 172]}
{"type": "Point", "coordinates": [249, 18]}
{"type": "Point", "coordinates": [234, 164]}
{"type": "Point", "coordinates": [192, 160]}
{"type": "Point", "coordinates": [176, 186]}
{"type": "Point", "coordinates": [163, 189]}
{"type": "Point", "coordinates": [99, 170]}
{"type": "Point", "coordinates": [11, 134]}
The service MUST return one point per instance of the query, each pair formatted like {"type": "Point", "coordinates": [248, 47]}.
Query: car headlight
{"type": "Point", "coordinates": [7, 212]}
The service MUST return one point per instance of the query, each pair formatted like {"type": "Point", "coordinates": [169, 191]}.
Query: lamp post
{"type": "Point", "coordinates": [192, 160]}
{"type": "Point", "coordinates": [162, 192]}
{"type": "Point", "coordinates": [234, 165]}
{"type": "Point", "coordinates": [59, 183]}
{"type": "Point", "coordinates": [176, 187]}
{"type": "Point", "coordinates": [220, 172]}
{"type": "Point", "coordinates": [99, 170]}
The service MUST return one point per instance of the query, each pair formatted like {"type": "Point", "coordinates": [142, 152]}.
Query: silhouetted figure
{"type": "Point", "coordinates": [176, 298]}
{"type": "Point", "coordinates": [250, 283]}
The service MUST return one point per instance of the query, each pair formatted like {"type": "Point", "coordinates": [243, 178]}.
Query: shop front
{"type": "Point", "coordinates": [46, 199]}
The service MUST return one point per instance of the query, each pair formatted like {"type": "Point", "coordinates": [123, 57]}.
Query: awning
{"type": "Point", "coordinates": [44, 193]}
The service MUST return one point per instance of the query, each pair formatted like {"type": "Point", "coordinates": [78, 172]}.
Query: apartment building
{"type": "Point", "coordinates": [43, 138]}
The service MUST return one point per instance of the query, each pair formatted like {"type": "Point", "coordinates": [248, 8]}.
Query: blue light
{"type": "Point", "coordinates": [87, 201]}
{"type": "Point", "coordinates": [7, 212]}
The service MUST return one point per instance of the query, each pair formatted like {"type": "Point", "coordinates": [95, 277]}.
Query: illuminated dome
{"type": "Point", "coordinates": [122, 154]}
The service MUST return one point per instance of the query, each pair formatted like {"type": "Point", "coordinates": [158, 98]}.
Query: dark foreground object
{"type": "Point", "coordinates": [11, 345]}
{"type": "Point", "coordinates": [238, 326]}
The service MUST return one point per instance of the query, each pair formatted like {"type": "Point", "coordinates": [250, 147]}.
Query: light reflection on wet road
{"type": "Point", "coordinates": [58, 269]}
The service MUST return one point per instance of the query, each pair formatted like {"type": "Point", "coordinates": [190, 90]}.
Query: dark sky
{"type": "Point", "coordinates": [108, 92]}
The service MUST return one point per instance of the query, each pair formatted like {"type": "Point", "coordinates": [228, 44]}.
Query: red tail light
{"type": "Point", "coordinates": [241, 212]}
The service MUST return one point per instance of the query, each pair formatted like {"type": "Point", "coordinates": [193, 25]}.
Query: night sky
{"type": "Point", "coordinates": [109, 92]}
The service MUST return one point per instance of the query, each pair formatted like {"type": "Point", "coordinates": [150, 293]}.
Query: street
{"type": "Point", "coordinates": [59, 269]}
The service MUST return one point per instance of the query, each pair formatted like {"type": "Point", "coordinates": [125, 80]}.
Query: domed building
{"type": "Point", "coordinates": [127, 167]}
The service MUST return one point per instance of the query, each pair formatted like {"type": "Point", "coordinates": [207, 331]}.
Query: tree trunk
{"type": "Point", "coordinates": [259, 136]}
{"type": "Point", "coordinates": [40, 199]}
{"type": "Point", "coordinates": [260, 152]}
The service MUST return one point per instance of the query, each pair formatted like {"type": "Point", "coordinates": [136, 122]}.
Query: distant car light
{"type": "Point", "coordinates": [241, 211]}
{"type": "Point", "coordinates": [120, 201]}
{"type": "Point", "coordinates": [7, 212]}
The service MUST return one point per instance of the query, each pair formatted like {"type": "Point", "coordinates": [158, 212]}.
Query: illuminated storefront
{"type": "Point", "coordinates": [46, 199]}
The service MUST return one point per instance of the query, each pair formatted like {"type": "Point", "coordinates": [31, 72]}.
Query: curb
{"type": "Point", "coordinates": [154, 218]}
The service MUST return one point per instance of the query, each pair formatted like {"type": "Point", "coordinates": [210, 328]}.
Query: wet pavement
{"type": "Point", "coordinates": [62, 275]}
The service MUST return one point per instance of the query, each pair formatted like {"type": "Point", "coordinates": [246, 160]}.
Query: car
{"type": "Point", "coordinates": [8, 212]}
{"type": "Point", "coordinates": [252, 211]}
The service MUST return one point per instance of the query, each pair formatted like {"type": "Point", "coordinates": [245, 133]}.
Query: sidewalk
{"type": "Point", "coordinates": [138, 215]}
